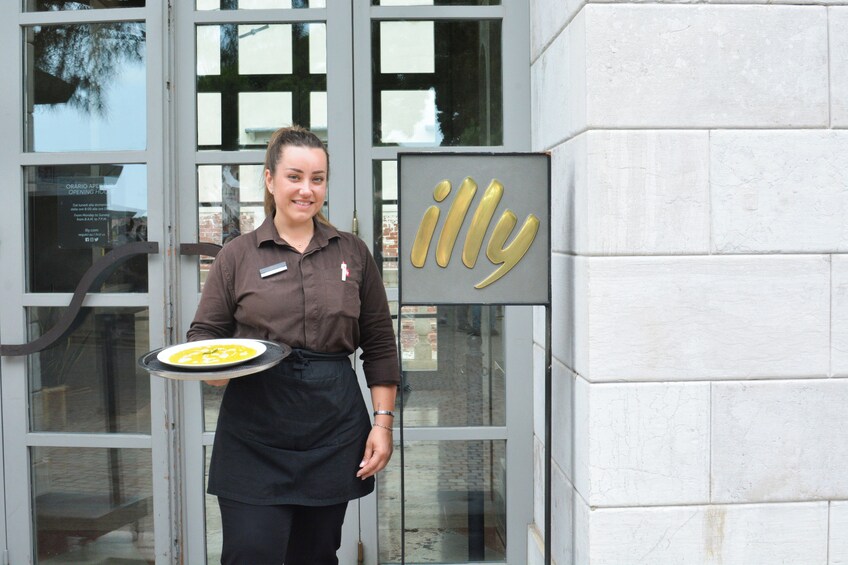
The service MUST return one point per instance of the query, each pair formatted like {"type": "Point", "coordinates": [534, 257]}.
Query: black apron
{"type": "Point", "coordinates": [294, 434]}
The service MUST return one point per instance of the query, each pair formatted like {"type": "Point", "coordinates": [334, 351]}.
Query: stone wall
{"type": "Point", "coordinates": [700, 281]}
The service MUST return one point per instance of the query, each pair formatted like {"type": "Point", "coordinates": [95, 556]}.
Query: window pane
{"type": "Point", "coordinates": [258, 4]}
{"type": "Point", "coordinates": [407, 47]}
{"type": "Point", "coordinates": [453, 362]}
{"type": "Point", "coordinates": [455, 503]}
{"type": "Point", "coordinates": [452, 99]}
{"type": "Point", "coordinates": [77, 213]}
{"type": "Point", "coordinates": [254, 79]}
{"type": "Point", "coordinates": [435, 2]}
{"type": "Point", "coordinates": [386, 221]}
{"type": "Point", "coordinates": [57, 5]}
{"type": "Point", "coordinates": [230, 201]}
{"type": "Point", "coordinates": [89, 382]}
{"type": "Point", "coordinates": [214, 531]}
{"type": "Point", "coordinates": [85, 87]}
{"type": "Point", "coordinates": [92, 505]}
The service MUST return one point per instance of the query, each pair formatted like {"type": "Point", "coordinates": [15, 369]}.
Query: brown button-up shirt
{"type": "Point", "coordinates": [329, 299]}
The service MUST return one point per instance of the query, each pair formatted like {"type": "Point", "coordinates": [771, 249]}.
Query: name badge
{"type": "Point", "coordinates": [272, 269]}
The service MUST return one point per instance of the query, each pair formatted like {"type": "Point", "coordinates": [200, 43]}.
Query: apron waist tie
{"type": "Point", "coordinates": [301, 358]}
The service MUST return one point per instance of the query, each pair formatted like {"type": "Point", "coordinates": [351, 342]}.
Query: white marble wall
{"type": "Point", "coordinates": [700, 279]}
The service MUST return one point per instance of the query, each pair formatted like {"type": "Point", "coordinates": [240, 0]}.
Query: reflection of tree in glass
{"type": "Point", "coordinates": [468, 83]}
{"type": "Point", "coordinates": [88, 58]}
{"type": "Point", "coordinates": [56, 5]}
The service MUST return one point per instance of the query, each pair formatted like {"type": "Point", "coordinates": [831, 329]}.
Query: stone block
{"type": "Point", "coordinates": [547, 19]}
{"type": "Point", "coordinates": [568, 194]}
{"type": "Point", "coordinates": [702, 66]}
{"type": "Point", "coordinates": [648, 444]}
{"type": "Point", "coordinates": [750, 534]}
{"type": "Point", "coordinates": [582, 514]}
{"type": "Point", "coordinates": [562, 304]}
{"type": "Point", "coordinates": [839, 316]}
{"type": "Point", "coordinates": [562, 500]}
{"type": "Point", "coordinates": [539, 484]}
{"type": "Point", "coordinates": [838, 543]}
{"type": "Point", "coordinates": [535, 546]}
{"type": "Point", "coordinates": [838, 22]}
{"type": "Point", "coordinates": [779, 440]}
{"type": "Point", "coordinates": [562, 418]}
{"type": "Point", "coordinates": [558, 87]}
{"type": "Point", "coordinates": [779, 191]}
{"type": "Point", "coordinates": [646, 193]}
{"type": "Point", "coordinates": [709, 317]}
{"type": "Point", "coordinates": [562, 511]}
{"type": "Point", "coordinates": [539, 392]}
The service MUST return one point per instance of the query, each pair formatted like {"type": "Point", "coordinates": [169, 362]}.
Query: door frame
{"type": "Point", "coordinates": [18, 531]}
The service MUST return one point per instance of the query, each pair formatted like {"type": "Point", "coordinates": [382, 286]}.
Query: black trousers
{"type": "Point", "coordinates": [286, 533]}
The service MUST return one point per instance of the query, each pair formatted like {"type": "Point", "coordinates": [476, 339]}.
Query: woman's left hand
{"type": "Point", "coordinates": [378, 451]}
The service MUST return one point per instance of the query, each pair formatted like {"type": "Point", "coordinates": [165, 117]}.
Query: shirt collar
{"type": "Point", "coordinates": [267, 232]}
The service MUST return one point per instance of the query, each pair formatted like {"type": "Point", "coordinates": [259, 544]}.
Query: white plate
{"type": "Point", "coordinates": [215, 359]}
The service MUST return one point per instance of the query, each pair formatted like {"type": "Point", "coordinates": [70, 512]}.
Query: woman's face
{"type": "Point", "coordinates": [299, 185]}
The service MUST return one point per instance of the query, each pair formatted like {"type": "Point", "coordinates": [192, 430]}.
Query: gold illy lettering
{"type": "Point", "coordinates": [507, 256]}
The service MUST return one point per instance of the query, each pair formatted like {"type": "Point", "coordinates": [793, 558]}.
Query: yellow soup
{"type": "Point", "coordinates": [212, 354]}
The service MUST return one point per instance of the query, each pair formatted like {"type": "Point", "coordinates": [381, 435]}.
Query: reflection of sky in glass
{"type": "Point", "coordinates": [409, 117]}
{"type": "Point", "coordinates": [129, 193]}
{"type": "Point", "coordinates": [61, 127]}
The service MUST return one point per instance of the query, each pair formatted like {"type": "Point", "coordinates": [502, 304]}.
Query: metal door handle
{"type": "Point", "coordinates": [94, 277]}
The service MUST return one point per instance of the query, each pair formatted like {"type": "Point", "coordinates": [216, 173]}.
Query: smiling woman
{"type": "Point", "coordinates": [294, 444]}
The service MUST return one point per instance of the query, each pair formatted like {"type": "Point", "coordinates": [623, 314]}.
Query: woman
{"type": "Point", "coordinates": [295, 443]}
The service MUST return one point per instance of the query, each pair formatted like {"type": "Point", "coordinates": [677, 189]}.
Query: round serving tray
{"type": "Point", "coordinates": [274, 353]}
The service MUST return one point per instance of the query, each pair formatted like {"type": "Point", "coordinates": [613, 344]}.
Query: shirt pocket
{"type": "Point", "coordinates": [342, 296]}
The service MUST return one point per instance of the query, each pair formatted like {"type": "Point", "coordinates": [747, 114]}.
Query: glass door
{"type": "Point", "coordinates": [141, 128]}
{"type": "Point", "coordinates": [447, 76]}
{"type": "Point", "coordinates": [86, 449]}
{"type": "Point", "coordinates": [244, 68]}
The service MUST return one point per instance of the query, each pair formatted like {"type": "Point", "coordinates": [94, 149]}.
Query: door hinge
{"type": "Point", "coordinates": [360, 554]}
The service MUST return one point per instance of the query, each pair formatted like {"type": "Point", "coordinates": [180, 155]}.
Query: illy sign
{"type": "Point", "coordinates": [436, 221]}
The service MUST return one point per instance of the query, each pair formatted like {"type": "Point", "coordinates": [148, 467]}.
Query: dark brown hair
{"type": "Point", "coordinates": [292, 136]}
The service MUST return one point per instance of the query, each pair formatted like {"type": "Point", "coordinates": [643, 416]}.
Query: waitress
{"type": "Point", "coordinates": [295, 443]}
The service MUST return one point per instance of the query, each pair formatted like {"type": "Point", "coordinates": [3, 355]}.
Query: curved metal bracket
{"type": "Point", "coordinates": [93, 278]}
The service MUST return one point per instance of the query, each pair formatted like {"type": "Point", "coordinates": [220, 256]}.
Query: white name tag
{"type": "Point", "coordinates": [272, 269]}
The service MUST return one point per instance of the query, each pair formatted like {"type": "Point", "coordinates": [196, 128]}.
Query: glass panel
{"type": "Point", "coordinates": [89, 381]}
{"type": "Point", "coordinates": [92, 505]}
{"type": "Point", "coordinates": [435, 2]}
{"type": "Point", "coordinates": [258, 4]}
{"type": "Point", "coordinates": [454, 503]}
{"type": "Point", "coordinates": [407, 47]}
{"type": "Point", "coordinates": [58, 5]}
{"type": "Point", "coordinates": [85, 87]}
{"type": "Point", "coordinates": [386, 221]}
{"type": "Point", "coordinates": [256, 41]}
{"type": "Point", "coordinates": [453, 362]}
{"type": "Point", "coordinates": [437, 83]}
{"type": "Point", "coordinates": [77, 213]}
{"type": "Point", "coordinates": [253, 79]}
{"type": "Point", "coordinates": [230, 202]}
{"type": "Point", "coordinates": [214, 531]}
